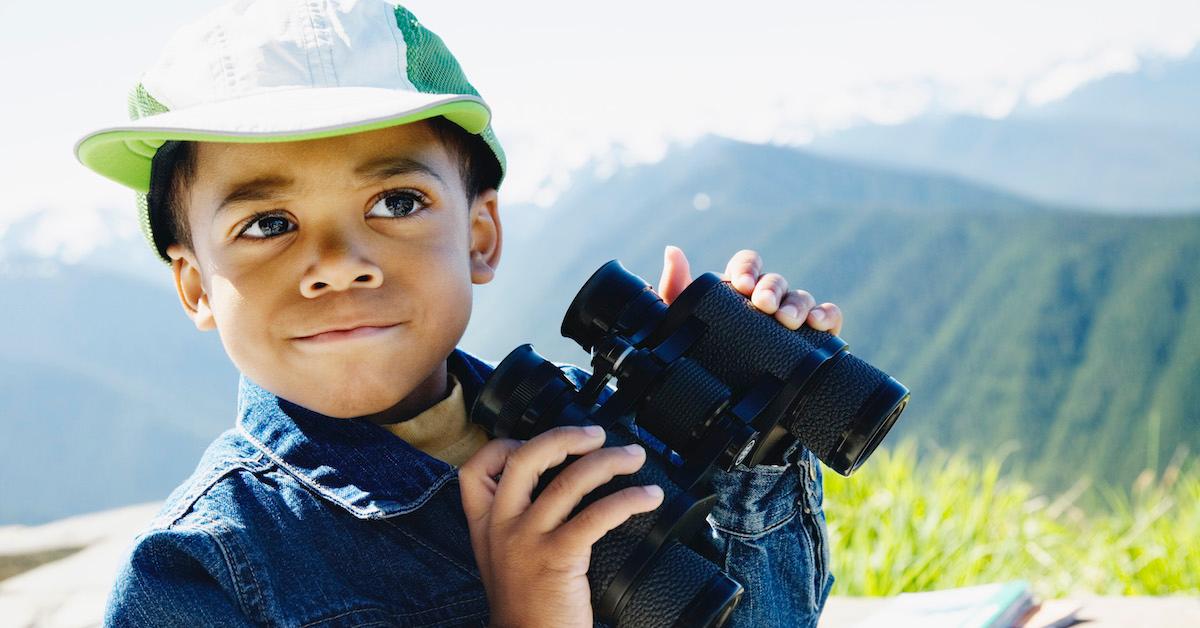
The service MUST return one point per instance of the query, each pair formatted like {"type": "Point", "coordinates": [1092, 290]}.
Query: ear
{"type": "Point", "coordinates": [486, 236]}
{"type": "Point", "coordinates": [190, 286]}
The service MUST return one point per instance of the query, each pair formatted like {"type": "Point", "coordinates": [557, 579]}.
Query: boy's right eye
{"type": "Point", "coordinates": [266, 226]}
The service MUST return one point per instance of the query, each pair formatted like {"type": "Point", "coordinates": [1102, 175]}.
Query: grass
{"type": "Point", "coordinates": [915, 523]}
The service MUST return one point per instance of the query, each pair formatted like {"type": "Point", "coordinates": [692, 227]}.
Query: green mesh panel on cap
{"type": "Point", "coordinates": [142, 104]}
{"type": "Point", "coordinates": [433, 70]}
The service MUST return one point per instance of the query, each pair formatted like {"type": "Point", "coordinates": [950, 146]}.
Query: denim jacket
{"type": "Point", "coordinates": [298, 519]}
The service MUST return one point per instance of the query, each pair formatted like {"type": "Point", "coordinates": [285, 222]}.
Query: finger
{"type": "Point", "coordinates": [525, 465]}
{"type": "Point", "coordinates": [795, 307]}
{"type": "Point", "coordinates": [477, 477]}
{"type": "Point", "coordinates": [604, 514]}
{"type": "Point", "coordinates": [769, 292]}
{"type": "Point", "coordinates": [477, 486]}
{"type": "Point", "coordinates": [826, 317]}
{"type": "Point", "coordinates": [743, 270]}
{"type": "Point", "coordinates": [676, 274]}
{"type": "Point", "coordinates": [554, 504]}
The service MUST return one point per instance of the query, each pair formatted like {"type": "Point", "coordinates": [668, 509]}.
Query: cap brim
{"type": "Point", "coordinates": [123, 153]}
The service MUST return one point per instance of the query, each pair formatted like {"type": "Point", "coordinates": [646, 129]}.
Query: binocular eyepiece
{"type": "Point", "coordinates": [708, 377]}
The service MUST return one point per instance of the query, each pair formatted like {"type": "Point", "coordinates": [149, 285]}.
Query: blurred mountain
{"type": "Point", "coordinates": [108, 394]}
{"type": "Point", "coordinates": [1073, 336]}
{"type": "Point", "coordinates": [104, 240]}
{"type": "Point", "coordinates": [1127, 142]}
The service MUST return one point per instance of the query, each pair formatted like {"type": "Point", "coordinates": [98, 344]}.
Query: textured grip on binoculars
{"type": "Point", "coordinates": [832, 402]}
{"type": "Point", "coordinates": [742, 343]}
{"type": "Point", "coordinates": [671, 585]}
{"type": "Point", "coordinates": [612, 550]}
{"type": "Point", "coordinates": [686, 393]}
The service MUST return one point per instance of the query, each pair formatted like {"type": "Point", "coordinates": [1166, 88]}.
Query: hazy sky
{"type": "Point", "coordinates": [614, 81]}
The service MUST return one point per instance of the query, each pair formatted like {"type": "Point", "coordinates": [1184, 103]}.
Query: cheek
{"type": "Point", "coordinates": [438, 274]}
{"type": "Point", "coordinates": [239, 322]}
{"type": "Point", "coordinates": [440, 264]}
{"type": "Point", "coordinates": [228, 302]}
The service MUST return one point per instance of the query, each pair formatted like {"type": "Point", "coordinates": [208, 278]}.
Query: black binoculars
{"type": "Point", "coordinates": [707, 377]}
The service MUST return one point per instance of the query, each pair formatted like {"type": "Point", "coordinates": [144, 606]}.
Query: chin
{"type": "Point", "coordinates": [348, 404]}
{"type": "Point", "coordinates": [340, 400]}
{"type": "Point", "coordinates": [348, 386]}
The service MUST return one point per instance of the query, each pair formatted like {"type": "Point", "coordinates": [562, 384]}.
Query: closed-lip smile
{"type": "Point", "coordinates": [346, 332]}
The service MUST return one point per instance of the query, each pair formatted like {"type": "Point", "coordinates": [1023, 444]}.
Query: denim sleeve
{"type": "Point", "coordinates": [177, 577]}
{"type": "Point", "coordinates": [768, 528]}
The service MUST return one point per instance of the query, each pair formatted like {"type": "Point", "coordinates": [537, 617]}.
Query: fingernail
{"type": "Point", "coordinates": [654, 490]}
{"type": "Point", "coordinates": [790, 311]}
{"type": "Point", "coordinates": [745, 283]}
{"type": "Point", "coordinates": [818, 315]}
{"type": "Point", "coordinates": [633, 449]}
{"type": "Point", "coordinates": [593, 431]}
{"type": "Point", "coordinates": [772, 300]}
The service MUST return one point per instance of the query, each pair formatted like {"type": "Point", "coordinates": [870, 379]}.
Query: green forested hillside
{"type": "Point", "coordinates": [1073, 337]}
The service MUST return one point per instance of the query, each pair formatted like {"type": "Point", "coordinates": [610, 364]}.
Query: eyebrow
{"type": "Point", "coordinates": [391, 166]}
{"type": "Point", "coordinates": [270, 187]}
{"type": "Point", "coordinates": [262, 188]}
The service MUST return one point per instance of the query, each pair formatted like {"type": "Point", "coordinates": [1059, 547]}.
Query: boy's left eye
{"type": "Point", "coordinates": [396, 204]}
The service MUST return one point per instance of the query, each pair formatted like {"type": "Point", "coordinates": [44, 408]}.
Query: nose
{"type": "Point", "coordinates": [339, 267]}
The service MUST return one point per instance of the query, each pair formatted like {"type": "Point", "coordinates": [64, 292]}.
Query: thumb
{"type": "Point", "coordinates": [675, 276]}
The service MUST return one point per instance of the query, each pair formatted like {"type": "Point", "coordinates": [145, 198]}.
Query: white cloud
{"type": "Point", "coordinates": [69, 234]}
{"type": "Point", "coordinates": [1065, 77]}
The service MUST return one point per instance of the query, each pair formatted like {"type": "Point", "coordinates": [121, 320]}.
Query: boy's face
{"type": "Point", "coordinates": [369, 232]}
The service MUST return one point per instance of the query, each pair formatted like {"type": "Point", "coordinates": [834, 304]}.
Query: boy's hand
{"type": "Point", "coordinates": [532, 559]}
{"type": "Point", "coordinates": [768, 292]}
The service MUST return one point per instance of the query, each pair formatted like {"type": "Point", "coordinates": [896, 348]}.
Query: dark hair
{"type": "Point", "coordinates": [478, 169]}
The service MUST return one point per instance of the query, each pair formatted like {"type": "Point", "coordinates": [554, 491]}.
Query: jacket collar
{"type": "Point", "coordinates": [354, 463]}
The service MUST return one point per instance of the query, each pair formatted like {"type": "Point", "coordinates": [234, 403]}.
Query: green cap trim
{"type": "Point", "coordinates": [125, 155]}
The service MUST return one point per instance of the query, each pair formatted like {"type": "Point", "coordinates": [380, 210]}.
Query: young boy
{"type": "Point", "coordinates": [322, 180]}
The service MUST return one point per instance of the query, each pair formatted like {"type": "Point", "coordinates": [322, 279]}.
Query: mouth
{"type": "Point", "coordinates": [337, 335]}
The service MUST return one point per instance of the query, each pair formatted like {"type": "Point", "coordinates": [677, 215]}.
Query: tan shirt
{"type": "Point", "coordinates": [443, 430]}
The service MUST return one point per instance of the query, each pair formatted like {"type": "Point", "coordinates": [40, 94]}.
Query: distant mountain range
{"type": "Point", "coordinates": [1129, 142]}
{"type": "Point", "coordinates": [1073, 336]}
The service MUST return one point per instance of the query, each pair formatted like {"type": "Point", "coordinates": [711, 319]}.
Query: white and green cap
{"type": "Point", "coordinates": [285, 70]}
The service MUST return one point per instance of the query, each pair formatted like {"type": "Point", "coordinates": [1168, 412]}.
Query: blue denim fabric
{"type": "Point", "coordinates": [293, 518]}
